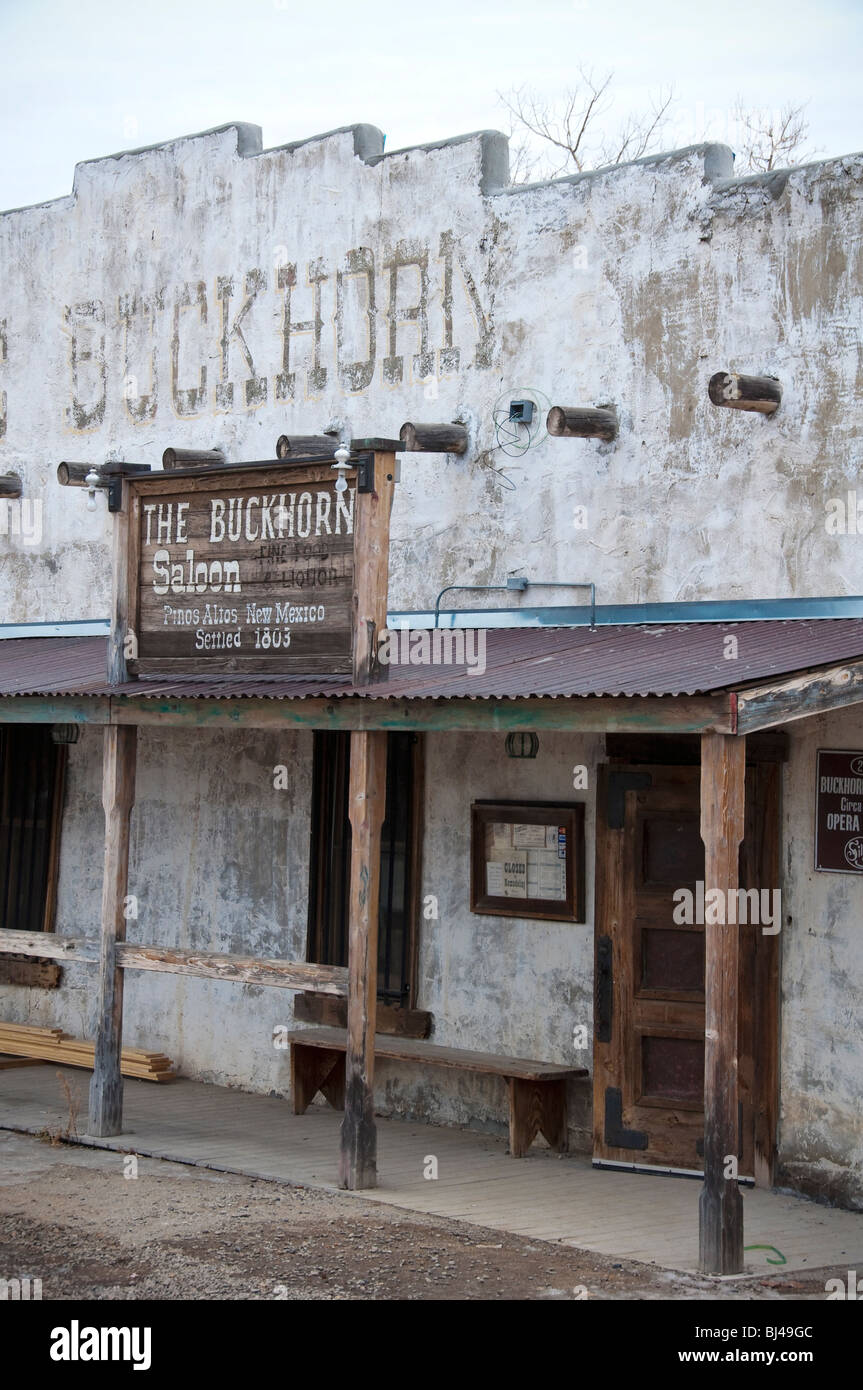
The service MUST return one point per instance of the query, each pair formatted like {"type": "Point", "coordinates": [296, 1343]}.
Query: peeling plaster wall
{"type": "Point", "coordinates": [211, 293]}
{"type": "Point", "coordinates": [821, 1059]}
{"type": "Point", "coordinates": [497, 983]}
{"type": "Point", "coordinates": [218, 862]}
{"type": "Point", "coordinates": [150, 307]}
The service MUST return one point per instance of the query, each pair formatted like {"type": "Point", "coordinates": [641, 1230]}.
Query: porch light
{"type": "Point", "coordinates": [92, 480]}
{"type": "Point", "coordinates": [64, 733]}
{"type": "Point", "coordinates": [341, 464]}
{"type": "Point", "coordinates": [522, 745]}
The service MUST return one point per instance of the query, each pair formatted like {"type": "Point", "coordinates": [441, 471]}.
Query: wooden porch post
{"type": "Point", "coordinates": [368, 784]}
{"type": "Point", "coordinates": [720, 1208]}
{"type": "Point", "coordinates": [118, 795]}
{"type": "Point", "coordinates": [367, 804]}
{"type": "Point", "coordinates": [119, 758]}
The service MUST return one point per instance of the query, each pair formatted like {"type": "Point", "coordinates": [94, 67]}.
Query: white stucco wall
{"type": "Point", "coordinates": [821, 1120]}
{"type": "Point", "coordinates": [631, 286]}
{"type": "Point", "coordinates": [218, 862]}
{"type": "Point", "coordinates": [498, 983]}
{"type": "Point", "coordinates": [230, 873]}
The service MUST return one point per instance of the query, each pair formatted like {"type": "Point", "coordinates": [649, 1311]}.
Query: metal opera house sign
{"type": "Point", "coordinates": [839, 811]}
{"type": "Point", "coordinates": [250, 571]}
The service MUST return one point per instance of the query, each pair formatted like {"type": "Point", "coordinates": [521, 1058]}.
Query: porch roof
{"type": "Point", "coordinates": [632, 660]}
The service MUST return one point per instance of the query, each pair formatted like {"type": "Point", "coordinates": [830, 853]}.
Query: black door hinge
{"type": "Point", "coordinates": [615, 1135]}
{"type": "Point", "coordinates": [604, 989]}
{"type": "Point", "coordinates": [619, 783]}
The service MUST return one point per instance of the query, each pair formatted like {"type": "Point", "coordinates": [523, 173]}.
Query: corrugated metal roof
{"type": "Point", "coordinates": [679, 659]}
{"type": "Point", "coordinates": [52, 665]}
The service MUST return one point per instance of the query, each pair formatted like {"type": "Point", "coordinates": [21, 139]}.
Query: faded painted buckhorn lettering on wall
{"type": "Point", "coordinates": [345, 320]}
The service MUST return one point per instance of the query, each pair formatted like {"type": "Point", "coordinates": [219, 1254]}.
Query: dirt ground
{"type": "Point", "coordinates": [70, 1217]}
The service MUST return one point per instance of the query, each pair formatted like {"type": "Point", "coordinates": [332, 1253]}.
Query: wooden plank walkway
{"type": "Point", "coordinates": [542, 1196]}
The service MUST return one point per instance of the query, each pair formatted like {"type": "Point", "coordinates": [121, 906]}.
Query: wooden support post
{"type": "Point", "coordinates": [760, 393]}
{"type": "Point", "coordinates": [371, 566]}
{"type": "Point", "coordinates": [117, 649]}
{"type": "Point", "coordinates": [118, 796]}
{"type": "Point", "coordinates": [367, 804]}
{"type": "Point", "coordinates": [367, 798]}
{"type": "Point", "coordinates": [720, 1208]}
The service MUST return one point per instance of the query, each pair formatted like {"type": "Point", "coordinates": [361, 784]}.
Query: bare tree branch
{"type": "Point", "coordinates": [771, 139]}
{"type": "Point", "coordinates": [523, 161]}
{"type": "Point", "coordinates": [639, 133]}
{"type": "Point", "coordinates": [567, 127]}
{"type": "Point", "coordinates": [555, 138]}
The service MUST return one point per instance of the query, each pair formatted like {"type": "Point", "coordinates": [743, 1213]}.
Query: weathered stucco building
{"type": "Point", "coordinates": [211, 294]}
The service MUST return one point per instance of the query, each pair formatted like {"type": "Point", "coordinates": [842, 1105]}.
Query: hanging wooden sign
{"type": "Point", "coordinates": [242, 571]}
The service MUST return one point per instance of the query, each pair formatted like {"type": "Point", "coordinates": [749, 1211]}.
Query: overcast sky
{"type": "Point", "coordinates": [83, 78]}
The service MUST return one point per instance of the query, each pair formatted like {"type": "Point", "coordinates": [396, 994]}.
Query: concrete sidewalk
{"type": "Point", "coordinates": [545, 1197]}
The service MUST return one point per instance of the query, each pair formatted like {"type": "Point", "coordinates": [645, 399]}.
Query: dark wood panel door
{"type": "Point", "coordinates": [649, 1007]}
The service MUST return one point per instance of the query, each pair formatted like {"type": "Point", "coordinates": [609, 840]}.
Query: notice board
{"type": "Point", "coordinates": [527, 860]}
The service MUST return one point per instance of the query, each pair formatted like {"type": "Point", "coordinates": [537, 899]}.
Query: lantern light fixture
{"type": "Point", "coordinates": [93, 480]}
{"type": "Point", "coordinates": [64, 733]}
{"type": "Point", "coordinates": [522, 745]}
{"type": "Point", "coordinates": [341, 466]}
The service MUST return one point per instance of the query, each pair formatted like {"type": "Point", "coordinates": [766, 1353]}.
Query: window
{"type": "Point", "coordinates": [32, 768]}
{"type": "Point", "coordinates": [329, 867]}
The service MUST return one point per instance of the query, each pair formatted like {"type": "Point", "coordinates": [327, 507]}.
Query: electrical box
{"type": "Point", "coordinates": [521, 411]}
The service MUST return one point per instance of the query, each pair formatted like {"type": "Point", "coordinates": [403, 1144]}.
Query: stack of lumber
{"type": "Point", "coordinates": [53, 1045]}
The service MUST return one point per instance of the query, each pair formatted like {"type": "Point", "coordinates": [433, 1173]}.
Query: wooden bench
{"type": "Point", "coordinates": [537, 1090]}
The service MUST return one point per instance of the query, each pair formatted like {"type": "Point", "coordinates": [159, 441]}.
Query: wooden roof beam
{"type": "Point", "coordinates": [582, 714]}
{"type": "Point", "coordinates": [582, 422]}
{"type": "Point", "coordinates": [759, 393]}
{"type": "Point", "coordinates": [799, 696]}
{"type": "Point", "coordinates": [434, 439]}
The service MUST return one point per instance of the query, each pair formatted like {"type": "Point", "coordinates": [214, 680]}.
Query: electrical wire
{"type": "Point", "coordinates": [515, 437]}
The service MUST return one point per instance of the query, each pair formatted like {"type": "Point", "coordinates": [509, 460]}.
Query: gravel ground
{"type": "Point", "coordinates": [69, 1217]}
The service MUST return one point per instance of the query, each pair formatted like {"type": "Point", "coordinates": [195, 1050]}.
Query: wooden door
{"type": "Point", "coordinates": [649, 981]}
